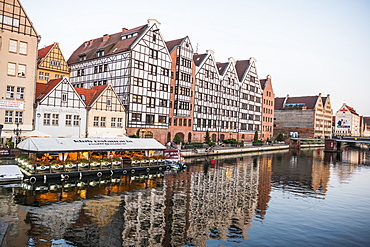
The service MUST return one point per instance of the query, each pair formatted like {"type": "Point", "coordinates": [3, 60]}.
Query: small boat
{"type": "Point", "coordinates": [174, 158]}
{"type": "Point", "coordinates": [10, 173]}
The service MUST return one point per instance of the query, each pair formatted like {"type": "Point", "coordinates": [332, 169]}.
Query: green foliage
{"type": "Point", "coordinates": [255, 139]}
{"type": "Point", "coordinates": [232, 141]}
{"type": "Point", "coordinates": [10, 144]}
{"type": "Point", "coordinates": [280, 137]}
{"type": "Point", "coordinates": [211, 144]}
{"type": "Point", "coordinates": [137, 133]}
{"type": "Point", "coordinates": [207, 138]}
{"type": "Point", "coordinates": [133, 136]}
{"type": "Point", "coordinates": [177, 139]}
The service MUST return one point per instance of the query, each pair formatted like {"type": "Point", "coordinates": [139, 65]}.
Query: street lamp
{"type": "Point", "coordinates": [17, 132]}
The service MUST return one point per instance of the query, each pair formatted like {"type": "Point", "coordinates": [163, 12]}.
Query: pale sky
{"type": "Point", "coordinates": [307, 46]}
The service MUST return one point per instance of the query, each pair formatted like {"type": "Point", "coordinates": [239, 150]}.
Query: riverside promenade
{"type": "Point", "coordinates": [246, 149]}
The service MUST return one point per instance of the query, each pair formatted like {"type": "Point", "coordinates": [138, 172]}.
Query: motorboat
{"type": "Point", "coordinates": [174, 158]}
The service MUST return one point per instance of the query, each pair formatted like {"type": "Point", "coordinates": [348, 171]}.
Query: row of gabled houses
{"type": "Point", "coordinates": [134, 81]}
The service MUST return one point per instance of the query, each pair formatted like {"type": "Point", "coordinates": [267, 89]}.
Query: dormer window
{"type": "Point", "coordinates": [82, 57]}
{"type": "Point", "coordinates": [83, 97]}
{"type": "Point", "coordinates": [128, 36]}
{"type": "Point", "coordinates": [99, 53]}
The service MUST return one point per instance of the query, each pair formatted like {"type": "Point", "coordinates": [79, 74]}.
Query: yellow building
{"type": "Point", "coordinates": [18, 53]}
{"type": "Point", "coordinates": [51, 64]}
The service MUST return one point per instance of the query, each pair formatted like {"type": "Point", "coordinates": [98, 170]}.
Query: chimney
{"type": "Point", "coordinates": [105, 37]}
{"type": "Point", "coordinates": [88, 43]}
{"type": "Point", "coordinates": [124, 29]}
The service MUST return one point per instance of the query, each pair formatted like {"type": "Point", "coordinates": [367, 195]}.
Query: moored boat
{"type": "Point", "coordinates": [174, 158]}
{"type": "Point", "coordinates": [63, 158]}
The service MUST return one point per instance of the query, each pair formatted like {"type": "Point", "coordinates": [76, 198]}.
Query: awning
{"type": "Point", "coordinates": [69, 145]}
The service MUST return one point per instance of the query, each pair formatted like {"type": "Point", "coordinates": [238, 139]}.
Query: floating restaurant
{"type": "Point", "coordinates": [62, 158]}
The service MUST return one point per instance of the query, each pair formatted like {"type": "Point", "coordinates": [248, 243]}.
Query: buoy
{"type": "Point", "coordinates": [133, 171]}
{"type": "Point", "coordinates": [32, 180]}
{"type": "Point", "coordinates": [124, 171]}
{"type": "Point", "coordinates": [99, 174]}
{"type": "Point", "coordinates": [148, 169]}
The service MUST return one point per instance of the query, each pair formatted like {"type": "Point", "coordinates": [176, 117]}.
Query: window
{"type": "Point", "coordinates": [163, 102]}
{"type": "Point", "coordinates": [113, 122]}
{"type": "Point", "coordinates": [102, 121]}
{"type": "Point", "coordinates": [64, 97]}
{"type": "Point", "coordinates": [8, 117]}
{"type": "Point", "coordinates": [119, 122]}
{"type": "Point", "coordinates": [189, 122]}
{"type": "Point", "coordinates": [10, 92]}
{"type": "Point", "coordinates": [46, 118]}
{"type": "Point", "coordinates": [153, 54]}
{"type": "Point", "coordinates": [41, 75]}
{"type": "Point", "coordinates": [150, 102]}
{"type": "Point", "coordinates": [100, 68]}
{"type": "Point", "coordinates": [20, 92]}
{"type": "Point", "coordinates": [57, 76]}
{"type": "Point", "coordinates": [96, 122]}
{"type": "Point", "coordinates": [180, 122]}
{"type": "Point", "coordinates": [154, 37]}
{"type": "Point", "coordinates": [13, 46]}
{"type": "Point", "coordinates": [105, 67]}
{"type": "Point", "coordinates": [47, 76]}
{"type": "Point", "coordinates": [149, 119]}
{"type": "Point", "coordinates": [184, 122]}
{"type": "Point", "coordinates": [99, 53]}
{"type": "Point", "coordinates": [152, 69]}
{"type": "Point", "coordinates": [165, 71]}
{"type": "Point", "coordinates": [109, 101]}
{"type": "Point", "coordinates": [68, 120]}
{"type": "Point", "coordinates": [139, 64]}
{"type": "Point", "coordinates": [11, 69]}
{"type": "Point", "coordinates": [136, 117]}
{"type": "Point", "coordinates": [55, 120]}
{"type": "Point", "coordinates": [21, 70]}
{"type": "Point", "coordinates": [137, 99]}
{"type": "Point", "coordinates": [76, 120]}
{"type": "Point", "coordinates": [82, 57]}
{"type": "Point", "coordinates": [175, 122]}
{"type": "Point", "coordinates": [23, 48]}
{"type": "Point", "coordinates": [54, 63]}
{"type": "Point", "coordinates": [162, 119]}
{"type": "Point", "coordinates": [152, 86]}
{"type": "Point", "coordinates": [95, 69]}
{"type": "Point", "coordinates": [137, 82]}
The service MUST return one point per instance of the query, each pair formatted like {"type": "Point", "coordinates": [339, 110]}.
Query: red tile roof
{"type": "Point", "coordinates": [352, 110]}
{"type": "Point", "coordinates": [109, 43]}
{"type": "Point", "coordinates": [44, 89]}
{"type": "Point", "coordinates": [241, 67]}
{"type": "Point", "coordinates": [91, 94]}
{"type": "Point", "coordinates": [43, 52]}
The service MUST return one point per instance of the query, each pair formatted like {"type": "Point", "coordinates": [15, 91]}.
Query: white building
{"type": "Point", "coordinates": [347, 122]}
{"type": "Point", "coordinates": [59, 110]}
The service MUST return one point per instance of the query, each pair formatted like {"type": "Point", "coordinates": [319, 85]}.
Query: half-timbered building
{"type": "Point", "coordinates": [18, 53]}
{"type": "Point", "coordinates": [105, 111]}
{"type": "Point", "coordinates": [181, 100]}
{"type": "Point", "coordinates": [137, 64]}
{"type": "Point", "coordinates": [228, 100]}
{"type": "Point", "coordinates": [250, 106]}
{"type": "Point", "coordinates": [51, 64]}
{"type": "Point", "coordinates": [206, 97]}
{"type": "Point", "coordinates": [59, 110]}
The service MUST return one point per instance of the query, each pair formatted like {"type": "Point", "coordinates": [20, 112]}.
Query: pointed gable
{"type": "Point", "coordinates": [51, 58]}
{"type": "Point", "coordinates": [173, 43]}
{"type": "Point", "coordinates": [14, 18]}
{"type": "Point", "coordinates": [110, 44]}
{"type": "Point", "coordinates": [43, 52]}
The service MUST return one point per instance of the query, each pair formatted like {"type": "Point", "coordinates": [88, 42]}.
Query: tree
{"type": "Point", "coordinates": [207, 138]}
{"type": "Point", "coordinates": [255, 136]}
{"type": "Point", "coordinates": [280, 137]}
{"type": "Point", "coordinates": [177, 139]}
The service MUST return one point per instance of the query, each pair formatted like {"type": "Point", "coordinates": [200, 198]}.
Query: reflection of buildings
{"type": "Point", "coordinates": [264, 185]}
{"type": "Point", "coordinates": [301, 173]}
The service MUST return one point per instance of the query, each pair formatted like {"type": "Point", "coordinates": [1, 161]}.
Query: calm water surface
{"type": "Point", "coordinates": [289, 198]}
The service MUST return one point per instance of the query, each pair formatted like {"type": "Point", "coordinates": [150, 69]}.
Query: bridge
{"type": "Point", "coordinates": [331, 145]}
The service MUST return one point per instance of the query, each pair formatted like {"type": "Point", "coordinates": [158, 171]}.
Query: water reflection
{"type": "Point", "coordinates": [214, 202]}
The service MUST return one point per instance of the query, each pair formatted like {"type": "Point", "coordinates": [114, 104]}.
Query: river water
{"type": "Point", "coordinates": [286, 198]}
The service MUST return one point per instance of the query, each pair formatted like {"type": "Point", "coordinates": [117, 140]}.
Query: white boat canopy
{"type": "Point", "coordinates": [69, 145]}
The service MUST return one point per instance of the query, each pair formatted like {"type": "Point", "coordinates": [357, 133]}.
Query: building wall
{"type": "Point", "coordinates": [301, 121]}
{"type": "Point", "coordinates": [17, 67]}
{"type": "Point", "coordinates": [268, 97]}
{"type": "Point", "coordinates": [346, 122]}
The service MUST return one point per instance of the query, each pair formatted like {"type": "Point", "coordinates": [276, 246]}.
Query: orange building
{"type": "Point", "coordinates": [268, 97]}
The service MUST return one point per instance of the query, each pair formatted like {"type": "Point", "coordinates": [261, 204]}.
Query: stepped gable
{"type": "Point", "coordinates": [109, 43]}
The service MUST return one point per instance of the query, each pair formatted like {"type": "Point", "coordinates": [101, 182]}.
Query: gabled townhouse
{"type": "Point", "coordinates": [229, 95]}
{"type": "Point", "coordinates": [365, 128]}
{"type": "Point", "coordinates": [308, 116]}
{"type": "Point", "coordinates": [268, 98]}
{"type": "Point", "coordinates": [137, 64]}
{"type": "Point", "coordinates": [182, 86]}
{"type": "Point", "coordinates": [59, 110]}
{"type": "Point", "coordinates": [206, 98]}
{"type": "Point", "coordinates": [250, 104]}
{"type": "Point", "coordinates": [51, 64]}
{"type": "Point", "coordinates": [18, 53]}
{"type": "Point", "coordinates": [347, 121]}
{"type": "Point", "coordinates": [105, 111]}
